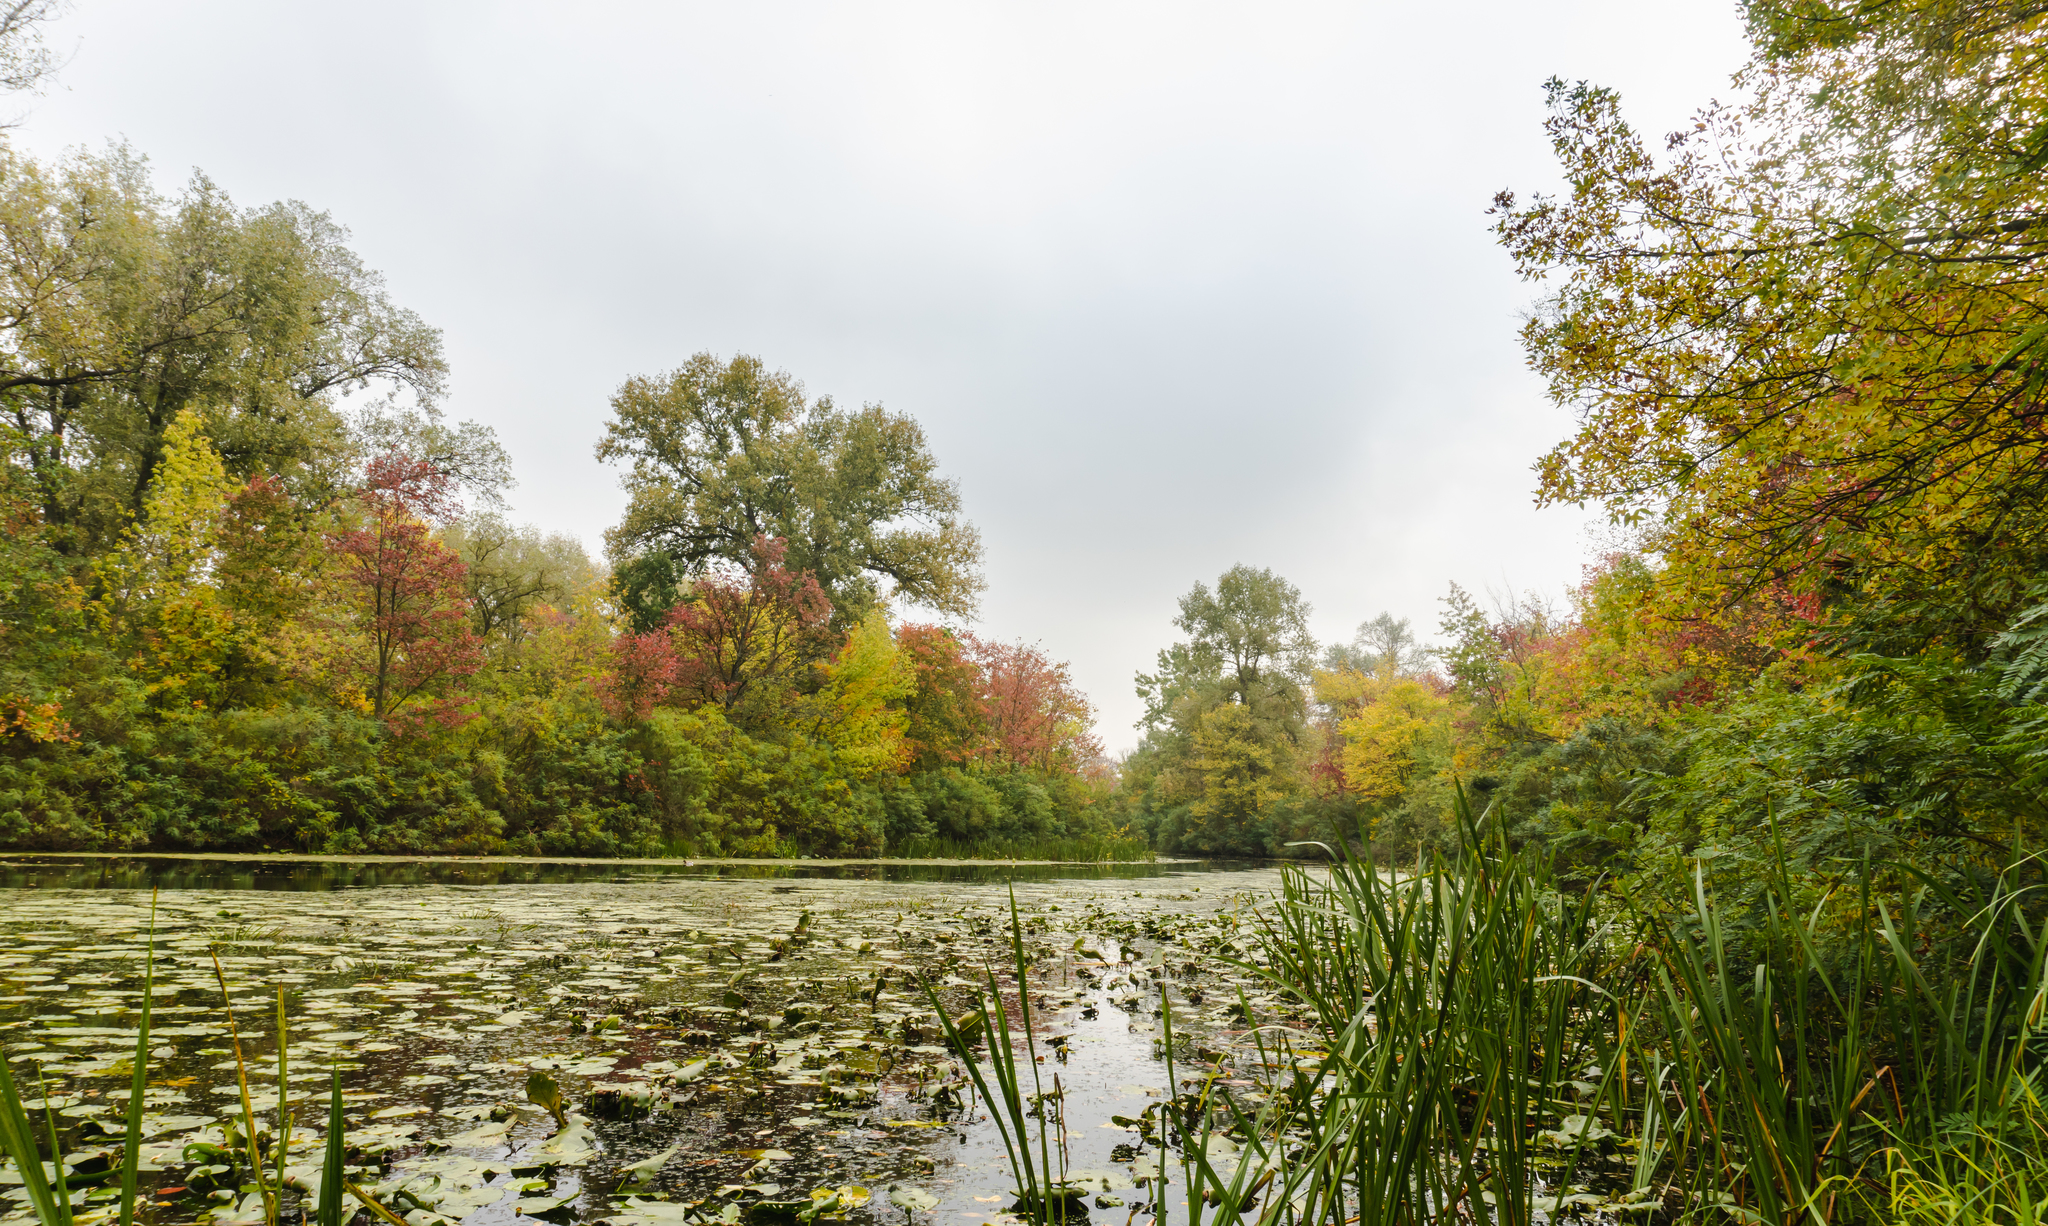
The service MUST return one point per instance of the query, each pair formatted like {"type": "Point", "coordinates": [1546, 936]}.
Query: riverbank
{"type": "Point", "coordinates": [645, 861]}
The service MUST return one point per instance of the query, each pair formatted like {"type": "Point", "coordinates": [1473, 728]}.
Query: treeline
{"type": "Point", "coordinates": [1807, 341]}
{"type": "Point", "coordinates": [256, 592]}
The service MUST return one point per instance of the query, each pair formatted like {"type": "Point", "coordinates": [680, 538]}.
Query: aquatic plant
{"type": "Point", "coordinates": [333, 1161]}
{"type": "Point", "coordinates": [263, 1190]}
{"type": "Point", "coordinates": [1468, 1002]}
{"type": "Point", "coordinates": [1040, 1193]}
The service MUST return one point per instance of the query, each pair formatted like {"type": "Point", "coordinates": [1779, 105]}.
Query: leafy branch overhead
{"type": "Point", "coordinates": [1809, 342]}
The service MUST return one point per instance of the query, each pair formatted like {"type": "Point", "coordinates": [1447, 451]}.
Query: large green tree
{"type": "Point", "coordinates": [722, 454]}
{"type": "Point", "coordinates": [120, 308]}
{"type": "Point", "coordinates": [1226, 712]}
{"type": "Point", "coordinates": [1248, 644]}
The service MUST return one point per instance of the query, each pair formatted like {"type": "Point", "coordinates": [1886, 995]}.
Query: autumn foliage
{"type": "Point", "coordinates": [258, 592]}
{"type": "Point", "coordinates": [408, 612]}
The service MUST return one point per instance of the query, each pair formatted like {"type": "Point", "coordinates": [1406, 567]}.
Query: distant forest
{"type": "Point", "coordinates": [259, 594]}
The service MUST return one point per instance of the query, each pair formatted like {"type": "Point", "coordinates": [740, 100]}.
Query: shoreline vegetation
{"type": "Point", "coordinates": [295, 857]}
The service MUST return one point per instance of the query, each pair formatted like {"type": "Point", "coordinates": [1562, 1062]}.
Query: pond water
{"type": "Point", "coordinates": [726, 1038]}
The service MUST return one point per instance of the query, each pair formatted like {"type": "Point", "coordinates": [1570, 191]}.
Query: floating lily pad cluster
{"type": "Point", "coordinates": [640, 1052]}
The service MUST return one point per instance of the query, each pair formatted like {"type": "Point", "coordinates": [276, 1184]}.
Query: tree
{"type": "Point", "coordinates": [1383, 643]}
{"type": "Point", "coordinates": [946, 709]}
{"type": "Point", "coordinates": [860, 703]}
{"type": "Point", "coordinates": [120, 309]}
{"type": "Point", "coordinates": [510, 572]}
{"type": "Point", "coordinates": [1248, 643]}
{"type": "Point", "coordinates": [26, 61]}
{"type": "Point", "coordinates": [721, 454]}
{"type": "Point", "coordinates": [1809, 348]}
{"type": "Point", "coordinates": [743, 638]}
{"type": "Point", "coordinates": [159, 589]}
{"type": "Point", "coordinates": [1239, 778]}
{"type": "Point", "coordinates": [1226, 713]}
{"type": "Point", "coordinates": [272, 567]}
{"type": "Point", "coordinates": [1036, 718]}
{"type": "Point", "coordinates": [409, 607]}
{"type": "Point", "coordinates": [640, 673]}
{"type": "Point", "coordinates": [1386, 738]}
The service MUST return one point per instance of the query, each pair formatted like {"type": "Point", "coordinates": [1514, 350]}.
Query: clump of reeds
{"type": "Point", "coordinates": [1475, 1034]}
{"type": "Point", "coordinates": [1041, 1194]}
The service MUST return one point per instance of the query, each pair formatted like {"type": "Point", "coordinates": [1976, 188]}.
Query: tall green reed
{"type": "Point", "coordinates": [333, 1162]}
{"type": "Point", "coordinates": [138, 1081]}
{"type": "Point", "coordinates": [263, 1190]}
{"type": "Point", "coordinates": [1454, 1006]}
{"type": "Point", "coordinates": [1040, 1192]}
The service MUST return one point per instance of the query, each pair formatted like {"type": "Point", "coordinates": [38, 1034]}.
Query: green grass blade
{"type": "Point", "coordinates": [1170, 1118]}
{"type": "Point", "coordinates": [131, 1145]}
{"type": "Point", "coordinates": [18, 1136]}
{"type": "Point", "coordinates": [284, 1082]}
{"type": "Point", "coordinates": [63, 1188]}
{"type": "Point", "coordinates": [248, 1107]}
{"type": "Point", "coordinates": [1012, 1146]}
{"type": "Point", "coordinates": [1030, 1054]}
{"type": "Point", "coordinates": [332, 1173]}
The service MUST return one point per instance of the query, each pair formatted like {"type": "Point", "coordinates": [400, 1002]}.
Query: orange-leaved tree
{"type": "Point", "coordinates": [406, 602]}
{"type": "Point", "coordinates": [1037, 718]}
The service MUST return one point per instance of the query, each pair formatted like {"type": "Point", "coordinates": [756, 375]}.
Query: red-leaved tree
{"type": "Point", "coordinates": [1036, 716]}
{"type": "Point", "coordinates": [409, 603]}
{"type": "Point", "coordinates": [740, 640]}
{"type": "Point", "coordinates": [643, 671]}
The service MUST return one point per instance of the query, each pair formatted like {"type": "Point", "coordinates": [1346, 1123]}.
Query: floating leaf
{"type": "Point", "coordinates": [542, 1091]}
{"type": "Point", "coordinates": [574, 1145]}
{"type": "Point", "coordinates": [648, 1168]}
{"type": "Point", "coordinates": [911, 1200]}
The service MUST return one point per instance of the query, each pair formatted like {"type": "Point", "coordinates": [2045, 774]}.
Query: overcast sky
{"type": "Point", "coordinates": [1171, 286]}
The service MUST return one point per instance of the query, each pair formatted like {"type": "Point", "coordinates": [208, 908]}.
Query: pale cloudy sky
{"type": "Point", "coordinates": [1170, 285]}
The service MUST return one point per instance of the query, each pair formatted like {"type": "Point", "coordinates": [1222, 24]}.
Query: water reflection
{"type": "Point", "coordinates": [195, 873]}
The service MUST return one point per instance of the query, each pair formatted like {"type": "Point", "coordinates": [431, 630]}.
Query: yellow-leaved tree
{"type": "Point", "coordinates": [1401, 723]}
{"type": "Point", "coordinates": [860, 707]}
{"type": "Point", "coordinates": [159, 594]}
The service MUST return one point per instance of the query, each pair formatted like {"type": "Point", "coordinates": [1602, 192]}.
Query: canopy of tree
{"type": "Point", "coordinates": [1809, 345]}
{"type": "Point", "coordinates": [1806, 341]}
{"type": "Point", "coordinates": [721, 454]}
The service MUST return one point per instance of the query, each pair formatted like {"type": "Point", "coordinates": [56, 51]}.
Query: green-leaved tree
{"type": "Point", "coordinates": [721, 454]}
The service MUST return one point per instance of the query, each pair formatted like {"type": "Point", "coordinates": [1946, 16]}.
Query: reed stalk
{"type": "Point", "coordinates": [248, 1106]}
{"type": "Point", "coordinates": [1039, 1190]}
{"type": "Point", "coordinates": [18, 1137]}
{"type": "Point", "coordinates": [333, 1169]}
{"type": "Point", "coordinates": [284, 1084]}
{"type": "Point", "coordinates": [138, 1082]}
